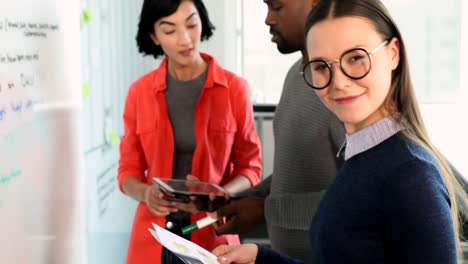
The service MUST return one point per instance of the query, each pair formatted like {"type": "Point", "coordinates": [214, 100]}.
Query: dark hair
{"type": "Point", "coordinates": [401, 97]}
{"type": "Point", "coordinates": [153, 10]}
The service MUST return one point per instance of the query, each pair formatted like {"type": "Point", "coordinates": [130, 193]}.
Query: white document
{"type": "Point", "coordinates": [186, 250]}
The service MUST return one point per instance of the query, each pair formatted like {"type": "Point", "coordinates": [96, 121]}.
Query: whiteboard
{"type": "Point", "coordinates": [110, 64]}
{"type": "Point", "coordinates": [41, 188]}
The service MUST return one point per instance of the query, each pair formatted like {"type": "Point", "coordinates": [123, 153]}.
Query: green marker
{"type": "Point", "coordinates": [199, 224]}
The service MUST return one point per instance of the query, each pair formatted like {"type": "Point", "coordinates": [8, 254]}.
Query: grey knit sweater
{"type": "Point", "coordinates": [307, 137]}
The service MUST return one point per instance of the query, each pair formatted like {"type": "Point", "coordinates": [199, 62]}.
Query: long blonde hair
{"type": "Point", "coordinates": [401, 97]}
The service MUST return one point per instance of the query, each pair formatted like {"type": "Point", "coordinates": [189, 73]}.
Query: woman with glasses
{"type": "Point", "coordinates": [393, 200]}
{"type": "Point", "coordinates": [188, 116]}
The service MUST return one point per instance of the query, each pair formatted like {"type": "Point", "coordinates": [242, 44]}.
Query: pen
{"type": "Point", "coordinates": [199, 224]}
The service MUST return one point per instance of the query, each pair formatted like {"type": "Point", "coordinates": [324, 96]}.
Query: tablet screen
{"type": "Point", "coordinates": [189, 187]}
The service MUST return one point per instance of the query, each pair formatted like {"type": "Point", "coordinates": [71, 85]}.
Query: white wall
{"type": "Point", "coordinates": [222, 44]}
{"type": "Point", "coordinates": [437, 46]}
{"type": "Point", "coordinates": [447, 123]}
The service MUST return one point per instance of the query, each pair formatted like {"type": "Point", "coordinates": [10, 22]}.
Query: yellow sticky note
{"type": "Point", "coordinates": [114, 138]}
{"type": "Point", "coordinates": [86, 15]}
{"type": "Point", "coordinates": [86, 89]}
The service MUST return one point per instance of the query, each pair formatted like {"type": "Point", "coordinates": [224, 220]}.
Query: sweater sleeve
{"type": "Point", "coordinates": [267, 256]}
{"type": "Point", "coordinates": [418, 220]}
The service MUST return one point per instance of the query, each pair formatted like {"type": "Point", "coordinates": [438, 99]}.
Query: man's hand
{"type": "Point", "coordinates": [242, 215]}
{"type": "Point", "coordinates": [200, 203]}
{"type": "Point", "coordinates": [190, 207]}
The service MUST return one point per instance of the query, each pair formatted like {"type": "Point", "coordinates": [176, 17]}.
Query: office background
{"type": "Point", "coordinates": [436, 35]}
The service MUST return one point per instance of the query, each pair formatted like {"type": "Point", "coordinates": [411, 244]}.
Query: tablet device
{"type": "Point", "coordinates": [181, 190]}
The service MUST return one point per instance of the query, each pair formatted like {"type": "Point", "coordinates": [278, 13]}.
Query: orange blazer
{"type": "Point", "coordinates": [227, 145]}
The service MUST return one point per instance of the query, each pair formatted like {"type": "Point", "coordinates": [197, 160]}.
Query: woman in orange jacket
{"type": "Point", "coordinates": [189, 116]}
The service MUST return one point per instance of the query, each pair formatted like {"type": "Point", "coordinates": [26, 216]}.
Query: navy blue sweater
{"type": "Point", "coordinates": [388, 204]}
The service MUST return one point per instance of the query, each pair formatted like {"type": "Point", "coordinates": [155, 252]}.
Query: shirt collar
{"type": "Point", "coordinates": [369, 137]}
{"type": "Point", "coordinates": [215, 74]}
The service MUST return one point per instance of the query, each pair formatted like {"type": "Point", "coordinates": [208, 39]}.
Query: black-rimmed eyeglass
{"type": "Point", "coordinates": [354, 63]}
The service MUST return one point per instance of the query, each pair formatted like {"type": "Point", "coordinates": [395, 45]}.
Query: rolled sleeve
{"type": "Point", "coordinates": [246, 154]}
{"type": "Point", "coordinates": [132, 161]}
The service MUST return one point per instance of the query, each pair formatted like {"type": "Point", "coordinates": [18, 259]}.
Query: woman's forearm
{"type": "Point", "coordinates": [238, 184]}
{"type": "Point", "coordinates": [135, 188]}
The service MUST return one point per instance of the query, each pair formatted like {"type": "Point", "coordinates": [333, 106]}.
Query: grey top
{"type": "Point", "coordinates": [182, 98]}
{"type": "Point", "coordinates": [307, 137]}
{"type": "Point", "coordinates": [370, 136]}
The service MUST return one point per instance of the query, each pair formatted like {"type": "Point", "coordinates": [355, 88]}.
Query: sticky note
{"type": "Point", "coordinates": [86, 17]}
{"type": "Point", "coordinates": [114, 138]}
{"type": "Point", "coordinates": [86, 89]}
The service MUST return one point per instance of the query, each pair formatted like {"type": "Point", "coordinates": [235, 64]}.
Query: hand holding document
{"type": "Point", "coordinates": [186, 250]}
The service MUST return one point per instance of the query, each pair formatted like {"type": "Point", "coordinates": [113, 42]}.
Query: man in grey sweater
{"type": "Point", "coordinates": [306, 136]}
